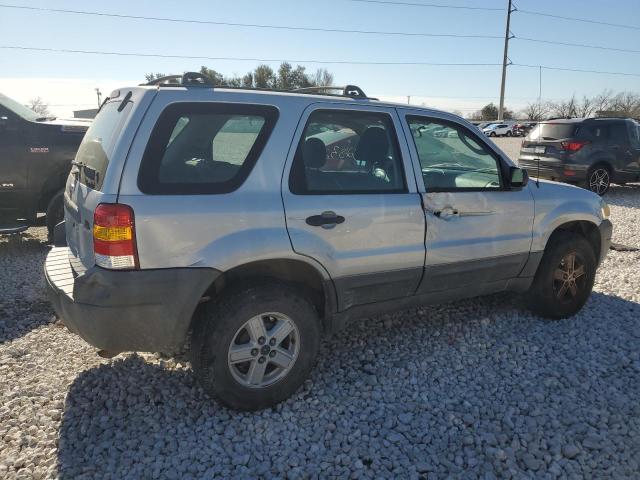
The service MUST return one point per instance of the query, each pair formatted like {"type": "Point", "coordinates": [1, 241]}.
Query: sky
{"type": "Point", "coordinates": [67, 81]}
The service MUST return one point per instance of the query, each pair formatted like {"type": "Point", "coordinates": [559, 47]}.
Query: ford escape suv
{"type": "Point", "coordinates": [249, 223]}
{"type": "Point", "coordinates": [592, 152]}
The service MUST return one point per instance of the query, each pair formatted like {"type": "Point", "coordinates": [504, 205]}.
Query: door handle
{"type": "Point", "coordinates": [326, 220]}
{"type": "Point", "coordinates": [446, 213]}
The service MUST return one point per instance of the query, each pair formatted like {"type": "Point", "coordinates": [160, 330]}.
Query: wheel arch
{"type": "Point", "coordinates": [300, 273]}
{"type": "Point", "coordinates": [585, 228]}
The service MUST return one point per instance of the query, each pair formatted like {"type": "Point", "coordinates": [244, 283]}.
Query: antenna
{"type": "Point", "coordinates": [538, 157]}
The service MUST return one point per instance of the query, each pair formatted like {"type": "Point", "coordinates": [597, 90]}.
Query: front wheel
{"type": "Point", "coordinates": [492, 134]}
{"type": "Point", "coordinates": [509, 133]}
{"type": "Point", "coordinates": [599, 179]}
{"type": "Point", "coordinates": [255, 347]}
{"type": "Point", "coordinates": [565, 277]}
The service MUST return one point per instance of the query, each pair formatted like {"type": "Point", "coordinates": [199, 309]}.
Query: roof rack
{"type": "Point", "coordinates": [346, 91]}
{"type": "Point", "coordinates": [195, 79]}
{"type": "Point", "coordinates": [187, 79]}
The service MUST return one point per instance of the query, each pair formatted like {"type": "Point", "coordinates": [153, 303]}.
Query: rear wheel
{"type": "Point", "coordinates": [256, 346]}
{"type": "Point", "coordinates": [55, 213]}
{"type": "Point", "coordinates": [599, 179]}
{"type": "Point", "coordinates": [565, 277]}
{"type": "Point", "coordinates": [508, 133]}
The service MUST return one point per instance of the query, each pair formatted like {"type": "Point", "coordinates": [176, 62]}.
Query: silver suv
{"type": "Point", "coordinates": [252, 223]}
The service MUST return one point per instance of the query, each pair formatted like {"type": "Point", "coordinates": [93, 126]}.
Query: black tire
{"type": "Point", "coordinates": [216, 328]}
{"type": "Point", "coordinates": [492, 134]}
{"type": "Point", "coordinates": [599, 179]}
{"type": "Point", "coordinates": [508, 134]}
{"type": "Point", "coordinates": [544, 296]}
{"type": "Point", "coordinates": [55, 213]}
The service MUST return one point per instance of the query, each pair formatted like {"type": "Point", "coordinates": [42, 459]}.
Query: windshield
{"type": "Point", "coordinates": [18, 109]}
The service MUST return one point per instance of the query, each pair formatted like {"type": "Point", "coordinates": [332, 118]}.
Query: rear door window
{"type": "Point", "coordinates": [348, 152]}
{"type": "Point", "coordinates": [95, 150]}
{"type": "Point", "coordinates": [198, 148]}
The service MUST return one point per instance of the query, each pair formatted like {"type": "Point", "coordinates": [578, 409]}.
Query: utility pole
{"type": "Point", "coordinates": [408, 99]}
{"type": "Point", "coordinates": [540, 84]}
{"type": "Point", "coordinates": [99, 93]}
{"type": "Point", "coordinates": [505, 61]}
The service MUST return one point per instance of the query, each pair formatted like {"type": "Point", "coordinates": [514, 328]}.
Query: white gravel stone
{"type": "Point", "coordinates": [479, 388]}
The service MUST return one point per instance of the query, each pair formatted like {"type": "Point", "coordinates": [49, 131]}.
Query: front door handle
{"type": "Point", "coordinates": [326, 219]}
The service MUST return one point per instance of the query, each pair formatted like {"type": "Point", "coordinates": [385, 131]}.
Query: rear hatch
{"type": "Point", "coordinates": [547, 141]}
{"type": "Point", "coordinates": [94, 175]}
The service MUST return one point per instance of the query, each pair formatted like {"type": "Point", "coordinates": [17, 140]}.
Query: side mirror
{"type": "Point", "coordinates": [518, 177]}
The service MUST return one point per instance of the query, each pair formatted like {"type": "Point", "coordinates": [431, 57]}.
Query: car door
{"type": "Point", "coordinates": [351, 202]}
{"type": "Point", "coordinates": [478, 230]}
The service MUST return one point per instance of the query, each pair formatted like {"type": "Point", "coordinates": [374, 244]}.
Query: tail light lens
{"type": "Point", "coordinates": [114, 237]}
{"type": "Point", "coordinates": [573, 146]}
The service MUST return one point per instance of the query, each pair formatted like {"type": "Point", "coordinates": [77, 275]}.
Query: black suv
{"type": "Point", "coordinates": [35, 159]}
{"type": "Point", "coordinates": [593, 152]}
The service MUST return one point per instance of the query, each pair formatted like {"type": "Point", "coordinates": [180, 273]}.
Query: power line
{"type": "Point", "coordinates": [576, 19]}
{"type": "Point", "coordinates": [248, 59]}
{"type": "Point", "coordinates": [581, 45]}
{"type": "Point", "coordinates": [310, 29]}
{"type": "Point", "coordinates": [314, 61]}
{"type": "Point", "coordinates": [579, 70]}
{"type": "Point", "coordinates": [429, 5]}
{"type": "Point", "coordinates": [245, 25]}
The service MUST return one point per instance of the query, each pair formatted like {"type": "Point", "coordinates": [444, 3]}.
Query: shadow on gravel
{"type": "Point", "coordinates": [472, 388]}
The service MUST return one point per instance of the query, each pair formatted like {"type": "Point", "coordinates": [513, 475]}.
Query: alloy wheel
{"type": "Point", "coordinates": [599, 181]}
{"type": "Point", "coordinates": [263, 350]}
{"type": "Point", "coordinates": [569, 278]}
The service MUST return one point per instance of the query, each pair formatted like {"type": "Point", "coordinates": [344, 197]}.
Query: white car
{"type": "Point", "coordinates": [498, 130]}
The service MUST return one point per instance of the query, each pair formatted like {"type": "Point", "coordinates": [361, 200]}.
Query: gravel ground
{"type": "Point", "coordinates": [479, 388]}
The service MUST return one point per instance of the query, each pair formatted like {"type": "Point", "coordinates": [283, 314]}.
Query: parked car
{"type": "Point", "coordinates": [592, 153]}
{"type": "Point", "coordinates": [222, 216]}
{"type": "Point", "coordinates": [498, 130]}
{"type": "Point", "coordinates": [35, 159]}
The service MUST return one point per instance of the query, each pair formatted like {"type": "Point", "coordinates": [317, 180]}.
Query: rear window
{"type": "Point", "coordinates": [97, 143]}
{"type": "Point", "coordinates": [198, 148]}
{"type": "Point", "coordinates": [553, 131]}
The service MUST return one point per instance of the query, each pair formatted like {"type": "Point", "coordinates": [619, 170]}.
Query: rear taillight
{"type": "Point", "coordinates": [573, 146]}
{"type": "Point", "coordinates": [114, 237]}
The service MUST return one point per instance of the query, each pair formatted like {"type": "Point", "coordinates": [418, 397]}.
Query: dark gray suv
{"type": "Point", "coordinates": [593, 152]}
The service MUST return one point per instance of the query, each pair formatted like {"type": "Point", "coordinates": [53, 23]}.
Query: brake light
{"type": "Point", "coordinates": [573, 146]}
{"type": "Point", "coordinates": [114, 237]}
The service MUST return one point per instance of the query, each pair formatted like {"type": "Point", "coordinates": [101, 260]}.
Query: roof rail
{"type": "Point", "coordinates": [196, 79]}
{"type": "Point", "coordinates": [187, 79]}
{"type": "Point", "coordinates": [346, 91]}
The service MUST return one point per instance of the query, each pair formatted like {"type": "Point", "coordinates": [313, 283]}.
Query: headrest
{"type": "Point", "coordinates": [314, 153]}
{"type": "Point", "coordinates": [373, 145]}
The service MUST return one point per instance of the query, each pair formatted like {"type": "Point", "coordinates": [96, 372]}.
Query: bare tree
{"type": "Point", "coordinates": [536, 111]}
{"type": "Point", "coordinates": [564, 108]}
{"type": "Point", "coordinates": [586, 107]}
{"type": "Point", "coordinates": [603, 101]}
{"type": "Point", "coordinates": [39, 106]}
{"type": "Point", "coordinates": [322, 78]}
{"type": "Point", "coordinates": [627, 104]}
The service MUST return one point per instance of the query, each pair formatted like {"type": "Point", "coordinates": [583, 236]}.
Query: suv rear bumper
{"type": "Point", "coordinates": [117, 311]}
{"type": "Point", "coordinates": [555, 172]}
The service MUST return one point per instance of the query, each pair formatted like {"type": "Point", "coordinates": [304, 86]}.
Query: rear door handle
{"type": "Point", "coordinates": [446, 213]}
{"type": "Point", "coordinates": [326, 219]}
